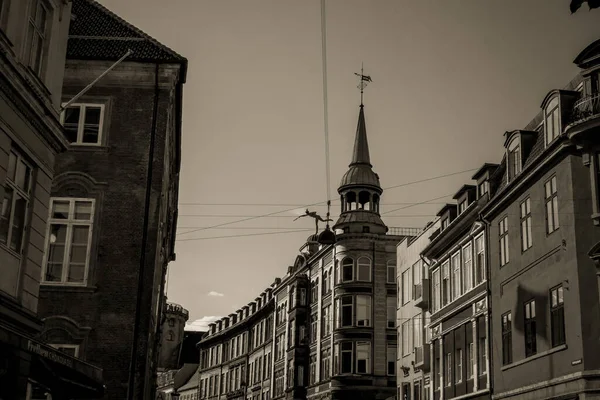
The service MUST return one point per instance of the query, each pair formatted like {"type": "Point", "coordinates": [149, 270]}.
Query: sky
{"type": "Point", "coordinates": [449, 78]}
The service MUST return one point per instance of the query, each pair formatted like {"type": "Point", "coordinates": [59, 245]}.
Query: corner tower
{"type": "Point", "coordinates": [359, 190]}
{"type": "Point", "coordinates": [175, 317]}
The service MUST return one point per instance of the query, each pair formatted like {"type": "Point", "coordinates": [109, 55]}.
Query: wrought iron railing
{"type": "Point", "coordinates": [584, 108]}
{"type": "Point", "coordinates": [404, 231]}
{"type": "Point", "coordinates": [418, 355]}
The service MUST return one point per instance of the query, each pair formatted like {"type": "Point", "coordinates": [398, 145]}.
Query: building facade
{"type": "Point", "coordinates": [111, 230]}
{"type": "Point", "coordinates": [544, 296]}
{"type": "Point", "coordinates": [236, 354]}
{"type": "Point", "coordinates": [413, 353]}
{"type": "Point", "coordinates": [330, 323]}
{"type": "Point", "coordinates": [33, 44]}
{"type": "Point", "coordinates": [172, 336]}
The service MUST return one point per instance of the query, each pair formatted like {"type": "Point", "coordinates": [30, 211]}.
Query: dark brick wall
{"type": "Point", "coordinates": [107, 304]}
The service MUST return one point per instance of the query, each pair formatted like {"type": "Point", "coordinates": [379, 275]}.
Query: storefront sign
{"type": "Point", "coordinates": [49, 353]}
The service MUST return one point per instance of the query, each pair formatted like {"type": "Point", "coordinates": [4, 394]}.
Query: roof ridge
{"type": "Point", "coordinates": [129, 25]}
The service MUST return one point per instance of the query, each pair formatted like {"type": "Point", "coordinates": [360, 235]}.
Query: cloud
{"type": "Point", "coordinates": [201, 325]}
{"type": "Point", "coordinates": [215, 294]}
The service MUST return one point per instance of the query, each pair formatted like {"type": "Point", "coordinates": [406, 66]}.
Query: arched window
{"type": "Point", "coordinates": [552, 127]}
{"type": "Point", "coordinates": [351, 201]}
{"type": "Point", "coordinates": [364, 200]}
{"type": "Point", "coordinates": [347, 269]}
{"type": "Point", "coordinates": [364, 269]}
{"type": "Point", "coordinates": [514, 157]}
{"type": "Point", "coordinates": [376, 203]}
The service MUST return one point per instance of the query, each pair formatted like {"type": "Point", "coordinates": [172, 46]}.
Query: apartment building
{"type": "Point", "coordinates": [413, 353]}
{"type": "Point", "coordinates": [33, 44]}
{"type": "Point", "coordinates": [544, 296]}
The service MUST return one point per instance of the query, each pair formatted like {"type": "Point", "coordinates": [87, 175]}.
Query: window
{"type": "Point", "coordinates": [483, 359]}
{"type": "Point", "coordinates": [551, 121]}
{"type": "Point", "coordinates": [279, 347]}
{"type": "Point", "coordinates": [83, 123]}
{"type": "Point", "coordinates": [551, 205]}
{"type": "Point", "coordinates": [417, 390]}
{"type": "Point", "coordinates": [279, 383]}
{"type": "Point", "coordinates": [325, 364]}
{"type": "Point", "coordinates": [391, 271]}
{"type": "Point", "coordinates": [364, 269]}
{"type": "Point", "coordinates": [36, 35]}
{"type": "Point", "coordinates": [313, 328]}
{"type": "Point", "coordinates": [407, 332]}
{"type": "Point", "coordinates": [467, 272]}
{"type": "Point", "coordinates": [436, 290]}
{"type": "Point", "coordinates": [391, 312]}
{"type": "Point", "coordinates": [69, 349]}
{"type": "Point", "coordinates": [346, 358]}
{"type": "Point", "coordinates": [526, 238]}
{"type": "Point", "coordinates": [363, 357]}
{"type": "Point", "coordinates": [482, 188]}
{"type": "Point", "coordinates": [557, 316]}
{"type": "Point", "coordinates": [171, 322]}
{"type": "Point", "coordinates": [470, 360]}
{"type": "Point", "coordinates": [506, 338]}
{"type": "Point", "coordinates": [514, 158]}
{"type": "Point", "coordinates": [363, 310]}
{"type": "Point", "coordinates": [314, 291]}
{"type": "Point", "coordinates": [17, 192]}
{"type": "Point", "coordinates": [445, 282]}
{"type": "Point", "coordinates": [445, 223]}
{"type": "Point", "coordinates": [326, 321]}
{"type": "Point", "coordinates": [456, 278]}
{"type": "Point", "coordinates": [479, 259]}
{"type": "Point", "coordinates": [417, 270]}
{"type": "Point", "coordinates": [37, 391]}
{"type": "Point", "coordinates": [448, 369]}
{"type": "Point", "coordinates": [347, 270]}
{"type": "Point", "coordinates": [417, 324]}
{"type": "Point", "coordinates": [459, 365]}
{"type": "Point", "coordinates": [326, 281]}
{"type": "Point", "coordinates": [68, 241]}
{"type": "Point", "coordinates": [462, 206]}
{"type": "Point", "coordinates": [406, 287]}
{"type": "Point", "coordinates": [503, 230]}
{"type": "Point", "coordinates": [391, 359]}
{"type": "Point", "coordinates": [530, 329]}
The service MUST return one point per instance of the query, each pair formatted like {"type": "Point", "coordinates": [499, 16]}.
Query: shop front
{"type": "Point", "coordinates": [32, 370]}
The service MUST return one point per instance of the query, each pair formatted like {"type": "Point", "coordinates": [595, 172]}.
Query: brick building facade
{"type": "Point", "coordinates": [112, 218]}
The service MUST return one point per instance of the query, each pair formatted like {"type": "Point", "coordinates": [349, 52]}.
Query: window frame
{"type": "Point", "coordinates": [407, 337]}
{"type": "Point", "coordinates": [557, 306]}
{"type": "Point", "coordinates": [360, 262]}
{"type": "Point", "coordinates": [368, 306]}
{"type": "Point", "coordinates": [368, 360]}
{"type": "Point", "coordinates": [525, 219]}
{"type": "Point", "coordinates": [59, 346]}
{"type": "Point", "coordinates": [506, 330]}
{"type": "Point", "coordinates": [449, 368]}
{"type": "Point", "coordinates": [347, 262]}
{"type": "Point", "coordinates": [456, 281]}
{"type": "Point", "coordinates": [32, 30]}
{"type": "Point", "coordinates": [551, 111]}
{"type": "Point", "coordinates": [503, 238]}
{"type": "Point", "coordinates": [530, 328]}
{"type": "Point", "coordinates": [551, 205]}
{"type": "Point", "coordinates": [391, 308]}
{"type": "Point", "coordinates": [81, 123]}
{"type": "Point", "coordinates": [479, 241]}
{"type": "Point", "coordinates": [514, 161]}
{"type": "Point", "coordinates": [391, 276]}
{"type": "Point", "coordinates": [391, 359]}
{"type": "Point", "coordinates": [467, 267]}
{"type": "Point", "coordinates": [406, 285]}
{"type": "Point", "coordinates": [436, 287]}
{"type": "Point", "coordinates": [70, 223]}
{"type": "Point", "coordinates": [459, 366]}
{"type": "Point", "coordinates": [25, 194]}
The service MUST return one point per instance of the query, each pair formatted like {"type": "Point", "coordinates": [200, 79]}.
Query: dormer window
{"type": "Point", "coordinates": [445, 223]}
{"type": "Point", "coordinates": [462, 206]}
{"type": "Point", "coordinates": [552, 121]}
{"type": "Point", "coordinates": [482, 189]}
{"type": "Point", "coordinates": [514, 157]}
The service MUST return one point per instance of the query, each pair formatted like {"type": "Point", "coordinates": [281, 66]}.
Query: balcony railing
{"type": "Point", "coordinates": [585, 108]}
{"type": "Point", "coordinates": [404, 231]}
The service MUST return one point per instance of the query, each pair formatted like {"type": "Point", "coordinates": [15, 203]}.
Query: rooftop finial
{"type": "Point", "coordinates": [364, 81]}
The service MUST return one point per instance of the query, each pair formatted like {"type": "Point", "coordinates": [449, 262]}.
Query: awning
{"type": "Point", "coordinates": [68, 375]}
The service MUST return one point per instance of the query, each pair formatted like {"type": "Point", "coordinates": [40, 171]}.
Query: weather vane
{"type": "Point", "coordinates": [317, 217]}
{"type": "Point", "coordinates": [364, 81]}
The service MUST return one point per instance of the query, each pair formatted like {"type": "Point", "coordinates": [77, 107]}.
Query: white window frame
{"type": "Point", "coordinates": [391, 271]}
{"type": "Point", "coordinates": [81, 123]}
{"type": "Point", "coordinates": [366, 350]}
{"type": "Point", "coordinates": [456, 278]}
{"type": "Point", "coordinates": [406, 286]}
{"type": "Point", "coordinates": [525, 218]}
{"type": "Point", "coordinates": [503, 239]}
{"type": "Point", "coordinates": [25, 194]}
{"type": "Point", "coordinates": [552, 108]}
{"type": "Point", "coordinates": [59, 346]}
{"type": "Point", "coordinates": [363, 262]}
{"type": "Point", "coordinates": [551, 205]}
{"type": "Point", "coordinates": [479, 239]}
{"type": "Point", "coordinates": [407, 333]}
{"type": "Point", "coordinates": [368, 308]}
{"type": "Point", "coordinates": [69, 223]}
{"type": "Point", "coordinates": [459, 366]}
{"type": "Point", "coordinates": [436, 286]}
{"type": "Point", "coordinates": [391, 312]}
{"type": "Point", "coordinates": [33, 31]}
{"type": "Point", "coordinates": [467, 267]}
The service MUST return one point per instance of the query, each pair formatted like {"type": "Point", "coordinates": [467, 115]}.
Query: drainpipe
{"type": "Point", "coordinates": [488, 288]}
{"type": "Point", "coordinates": [131, 392]}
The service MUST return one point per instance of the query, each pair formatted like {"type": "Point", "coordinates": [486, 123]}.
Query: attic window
{"type": "Point", "coordinates": [514, 157]}
{"type": "Point", "coordinates": [445, 223]}
{"type": "Point", "coordinates": [462, 206]}
{"type": "Point", "coordinates": [482, 188]}
{"type": "Point", "coordinates": [552, 121]}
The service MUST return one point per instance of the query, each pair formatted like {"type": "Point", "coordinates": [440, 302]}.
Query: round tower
{"type": "Point", "coordinates": [175, 317]}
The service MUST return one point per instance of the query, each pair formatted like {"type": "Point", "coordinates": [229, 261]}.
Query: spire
{"type": "Point", "coordinates": [360, 155]}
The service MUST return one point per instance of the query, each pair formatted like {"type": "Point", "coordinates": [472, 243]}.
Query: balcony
{"type": "Point", "coordinates": [421, 294]}
{"type": "Point", "coordinates": [583, 124]}
{"type": "Point", "coordinates": [422, 358]}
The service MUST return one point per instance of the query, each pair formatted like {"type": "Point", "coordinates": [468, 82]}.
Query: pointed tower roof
{"type": "Point", "coordinates": [360, 172]}
{"type": "Point", "coordinates": [360, 155]}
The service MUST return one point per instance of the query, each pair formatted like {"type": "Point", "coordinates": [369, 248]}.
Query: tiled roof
{"type": "Point", "coordinates": [96, 33]}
